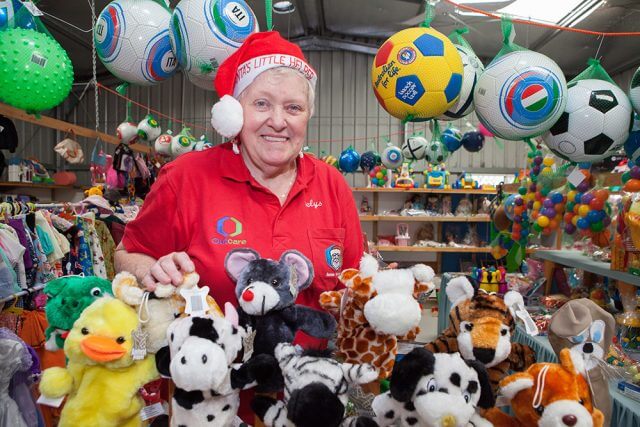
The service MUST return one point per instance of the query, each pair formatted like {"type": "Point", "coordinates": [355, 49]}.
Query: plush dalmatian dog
{"type": "Point", "coordinates": [315, 393]}
{"type": "Point", "coordinates": [433, 390]}
{"type": "Point", "coordinates": [200, 359]}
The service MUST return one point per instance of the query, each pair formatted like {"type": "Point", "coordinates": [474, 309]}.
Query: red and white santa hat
{"type": "Point", "coordinates": [258, 53]}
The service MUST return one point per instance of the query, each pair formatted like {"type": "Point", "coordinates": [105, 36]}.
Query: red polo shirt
{"type": "Point", "coordinates": [207, 203]}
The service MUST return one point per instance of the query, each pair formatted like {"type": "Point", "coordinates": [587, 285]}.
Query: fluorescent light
{"type": "Point", "coordinates": [551, 11]}
{"type": "Point", "coordinates": [481, 1]}
{"type": "Point", "coordinates": [283, 7]}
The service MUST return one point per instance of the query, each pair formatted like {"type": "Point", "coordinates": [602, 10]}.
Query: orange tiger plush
{"type": "Point", "coordinates": [480, 329]}
{"type": "Point", "coordinates": [547, 395]}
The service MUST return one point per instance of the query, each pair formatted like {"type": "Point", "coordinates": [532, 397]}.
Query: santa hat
{"type": "Point", "coordinates": [258, 53]}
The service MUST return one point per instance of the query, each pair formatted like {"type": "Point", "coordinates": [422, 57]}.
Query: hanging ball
{"type": "Point", "coordinates": [369, 160]}
{"type": "Point", "coordinates": [35, 71]}
{"type": "Point", "coordinates": [473, 141]}
{"type": "Point", "coordinates": [149, 129]}
{"type": "Point", "coordinates": [392, 157]}
{"type": "Point", "coordinates": [414, 148]}
{"type": "Point", "coordinates": [349, 160]}
{"type": "Point", "coordinates": [127, 132]}
{"type": "Point", "coordinates": [452, 139]}
{"type": "Point", "coordinates": [509, 206]}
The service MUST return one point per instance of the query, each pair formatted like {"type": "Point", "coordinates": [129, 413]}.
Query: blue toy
{"type": "Point", "coordinates": [466, 181]}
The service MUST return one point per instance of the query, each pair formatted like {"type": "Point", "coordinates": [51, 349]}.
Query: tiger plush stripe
{"type": "Point", "coordinates": [480, 329]}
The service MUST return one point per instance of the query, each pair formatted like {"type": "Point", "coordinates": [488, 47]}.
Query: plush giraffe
{"type": "Point", "coordinates": [367, 331]}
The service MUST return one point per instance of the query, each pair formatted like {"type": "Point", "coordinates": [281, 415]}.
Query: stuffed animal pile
{"type": "Point", "coordinates": [433, 390]}
{"type": "Point", "coordinates": [480, 329]}
{"type": "Point", "coordinates": [546, 395]}
{"type": "Point", "coordinates": [315, 392]}
{"type": "Point", "coordinates": [101, 380]}
{"type": "Point", "coordinates": [375, 310]}
{"type": "Point", "coordinates": [200, 361]}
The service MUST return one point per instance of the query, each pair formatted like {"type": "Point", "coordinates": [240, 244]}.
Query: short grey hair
{"type": "Point", "coordinates": [288, 72]}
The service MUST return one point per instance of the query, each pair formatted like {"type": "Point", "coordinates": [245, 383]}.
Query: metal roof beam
{"type": "Point", "coordinates": [326, 43]}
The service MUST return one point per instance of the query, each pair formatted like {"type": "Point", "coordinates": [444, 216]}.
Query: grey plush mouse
{"type": "Point", "coordinates": [266, 292]}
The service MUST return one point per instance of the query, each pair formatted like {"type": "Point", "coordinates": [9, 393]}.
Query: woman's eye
{"type": "Point", "coordinates": [294, 108]}
{"type": "Point", "coordinates": [261, 104]}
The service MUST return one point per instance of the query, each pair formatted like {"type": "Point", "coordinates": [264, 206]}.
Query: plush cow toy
{"type": "Point", "coordinates": [200, 359]}
{"type": "Point", "coordinates": [433, 390]}
{"type": "Point", "coordinates": [315, 393]}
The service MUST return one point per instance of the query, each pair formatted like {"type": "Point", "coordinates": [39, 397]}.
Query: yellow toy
{"type": "Point", "coordinates": [101, 380]}
{"type": "Point", "coordinates": [97, 190]}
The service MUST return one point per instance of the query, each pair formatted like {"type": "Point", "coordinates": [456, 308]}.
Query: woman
{"type": "Point", "coordinates": [257, 191]}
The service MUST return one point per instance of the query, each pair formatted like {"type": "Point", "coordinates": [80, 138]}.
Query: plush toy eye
{"type": "Point", "coordinates": [581, 402]}
{"type": "Point", "coordinates": [539, 410]}
{"type": "Point", "coordinates": [84, 331]}
{"type": "Point", "coordinates": [467, 397]}
{"type": "Point", "coordinates": [249, 281]}
{"type": "Point", "coordinates": [96, 292]}
{"type": "Point", "coordinates": [275, 282]}
{"type": "Point", "coordinates": [432, 385]}
{"type": "Point", "coordinates": [120, 340]}
{"type": "Point", "coordinates": [503, 332]}
{"type": "Point", "coordinates": [468, 326]}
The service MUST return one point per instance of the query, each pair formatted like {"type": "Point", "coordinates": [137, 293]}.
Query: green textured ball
{"type": "Point", "coordinates": [35, 71]}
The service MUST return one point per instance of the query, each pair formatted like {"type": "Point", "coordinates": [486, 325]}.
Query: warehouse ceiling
{"type": "Point", "coordinates": [362, 26]}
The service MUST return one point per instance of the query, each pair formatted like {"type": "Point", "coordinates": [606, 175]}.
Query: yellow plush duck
{"type": "Point", "coordinates": [101, 380]}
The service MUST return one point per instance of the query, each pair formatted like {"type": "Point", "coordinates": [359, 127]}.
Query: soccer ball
{"type": "Point", "coordinates": [452, 139]}
{"type": "Point", "coordinates": [634, 90]}
{"type": "Point", "coordinates": [595, 123]}
{"type": "Point", "coordinates": [417, 72]}
{"type": "Point", "coordinates": [414, 148]}
{"type": "Point", "coordinates": [436, 153]}
{"type": "Point", "coordinates": [519, 95]}
{"type": "Point", "coordinates": [205, 32]}
{"type": "Point", "coordinates": [472, 69]}
{"type": "Point", "coordinates": [132, 41]}
{"type": "Point", "coordinates": [14, 15]}
{"type": "Point", "coordinates": [392, 157]}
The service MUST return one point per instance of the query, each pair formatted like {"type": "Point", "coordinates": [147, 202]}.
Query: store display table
{"type": "Point", "coordinates": [626, 411]}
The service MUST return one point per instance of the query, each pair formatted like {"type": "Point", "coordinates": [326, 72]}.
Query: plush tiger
{"type": "Point", "coordinates": [480, 329]}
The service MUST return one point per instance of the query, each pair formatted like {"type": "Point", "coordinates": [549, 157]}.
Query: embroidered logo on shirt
{"type": "Point", "coordinates": [333, 257]}
{"type": "Point", "coordinates": [228, 227]}
{"type": "Point", "coordinates": [313, 204]}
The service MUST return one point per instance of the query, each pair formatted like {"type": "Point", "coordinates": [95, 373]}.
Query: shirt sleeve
{"type": "Point", "coordinates": [353, 239]}
{"type": "Point", "coordinates": [159, 228]}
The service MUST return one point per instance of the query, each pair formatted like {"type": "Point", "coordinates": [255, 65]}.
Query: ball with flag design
{"type": "Point", "coordinates": [414, 148]}
{"type": "Point", "coordinates": [520, 95]}
{"type": "Point", "coordinates": [417, 73]}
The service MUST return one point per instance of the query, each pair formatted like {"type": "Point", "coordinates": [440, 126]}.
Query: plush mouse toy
{"type": "Point", "coordinates": [267, 292]}
{"type": "Point", "coordinates": [67, 297]}
{"type": "Point", "coordinates": [433, 390]}
{"type": "Point", "coordinates": [159, 308]}
{"type": "Point", "coordinates": [200, 360]}
{"type": "Point", "coordinates": [587, 330]}
{"type": "Point", "coordinates": [315, 393]}
{"type": "Point", "coordinates": [480, 329]}
{"type": "Point", "coordinates": [548, 395]}
{"type": "Point", "coordinates": [375, 310]}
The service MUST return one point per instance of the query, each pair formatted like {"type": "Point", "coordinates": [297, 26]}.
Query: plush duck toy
{"type": "Point", "coordinates": [101, 380]}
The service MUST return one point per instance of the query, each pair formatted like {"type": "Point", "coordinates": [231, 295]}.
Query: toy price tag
{"type": "Point", "coordinates": [32, 8]}
{"type": "Point", "coordinates": [196, 299]}
{"type": "Point", "coordinates": [152, 411]}
{"type": "Point", "coordinates": [50, 401]}
{"type": "Point", "coordinates": [575, 177]}
{"type": "Point", "coordinates": [139, 350]}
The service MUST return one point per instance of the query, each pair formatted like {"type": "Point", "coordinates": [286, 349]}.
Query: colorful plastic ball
{"type": "Point", "coordinates": [543, 221]}
{"type": "Point", "coordinates": [569, 228]}
{"type": "Point", "coordinates": [578, 198]}
{"type": "Point", "coordinates": [524, 233]}
{"type": "Point", "coordinates": [519, 201]}
{"type": "Point", "coordinates": [537, 227]}
{"type": "Point", "coordinates": [14, 15]}
{"type": "Point", "coordinates": [548, 203]}
{"type": "Point", "coordinates": [545, 192]}
{"type": "Point", "coordinates": [606, 221]}
{"type": "Point", "coordinates": [583, 186]}
{"type": "Point", "coordinates": [549, 212]}
{"type": "Point", "coordinates": [522, 191]}
{"type": "Point", "coordinates": [369, 160]}
{"type": "Point", "coordinates": [452, 139]}
{"type": "Point", "coordinates": [626, 176]}
{"type": "Point", "coordinates": [601, 194]}
{"type": "Point", "coordinates": [571, 195]}
{"type": "Point", "coordinates": [596, 204]}
{"type": "Point", "coordinates": [634, 172]}
{"type": "Point", "coordinates": [583, 210]}
{"type": "Point", "coordinates": [548, 161]}
{"type": "Point", "coordinates": [556, 197]}
{"type": "Point", "coordinates": [473, 141]}
{"type": "Point", "coordinates": [593, 216]}
{"type": "Point", "coordinates": [587, 198]}
{"type": "Point", "coordinates": [349, 160]}
{"type": "Point", "coordinates": [583, 224]}
{"type": "Point", "coordinates": [597, 226]}
{"type": "Point", "coordinates": [35, 71]}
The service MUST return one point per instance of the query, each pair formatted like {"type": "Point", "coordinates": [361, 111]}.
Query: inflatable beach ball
{"type": "Point", "coordinates": [595, 123]}
{"type": "Point", "coordinates": [417, 72]}
{"type": "Point", "coordinates": [132, 41]}
{"type": "Point", "coordinates": [205, 32]}
{"type": "Point", "coordinates": [521, 94]}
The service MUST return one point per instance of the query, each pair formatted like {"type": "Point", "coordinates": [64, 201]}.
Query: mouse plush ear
{"type": "Point", "coordinates": [236, 261]}
{"type": "Point", "coordinates": [302, 266]}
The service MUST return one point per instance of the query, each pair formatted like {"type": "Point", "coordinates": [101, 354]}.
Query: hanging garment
{"type": "Point", "coordinates": [14, 252]}
{"type": "Point", "coordinates": [99, 268]}
{"type": "Point", "coordinates": [84, 251]}
{"type": "Point", "coordinates": [8, 277]}
{"type": "Point", "coordinates": [12, 361]}
{"type": "Point", "coordinates": [48, 238]}
{"type": "Point", "coordinates": [108, 248]}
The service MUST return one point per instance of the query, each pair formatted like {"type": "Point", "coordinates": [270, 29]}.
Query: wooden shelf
{"type": "Point", "coordinates": [399, 218]}
{"type": "Point", "coordinates": [420, 190]}
{"type": "Point", "coordinates": [433, 250]}
{"type": "Point", "coordinates": [10, 184]}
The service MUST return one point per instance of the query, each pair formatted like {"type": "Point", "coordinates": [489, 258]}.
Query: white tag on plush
{"type": "Point", "coordinates": [139, 350]}
{"type": "Point", "coordinates": [196, 299]}
{"type": "Point", "coordinates": [152, 411]}
{"type": "Point", "coordinates": [32, 8]}
{"type": "Point", "coordinates": [575, 177]}
{"type": "Point", "coordinates": [50, 401]}
{"type": "Point", "coordinates": [247, 345]}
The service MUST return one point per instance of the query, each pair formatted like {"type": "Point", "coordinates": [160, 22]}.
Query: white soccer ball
{"type": "Point", "coordinates": [414, 148]}
{"type": "Point", "coordinates": [595, 123]}
{"type": "Point", "coordinates": [436, 153]}
{"type": "Point", "coordinates": [472, 69]}
{"type": "Point", "coordinates": [132, 41]}
{"type": "Point", "coordinates": [392, 157]}
{"type": "Point", "coordinates": [634, 90]}
{"type": "Point", "coordinates": [205, 32]}
{"type": "Point", "coordinates": [521, 94]}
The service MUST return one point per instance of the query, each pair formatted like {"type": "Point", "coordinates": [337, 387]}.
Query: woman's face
{"type": "Point", "coordinates": [276, 111]}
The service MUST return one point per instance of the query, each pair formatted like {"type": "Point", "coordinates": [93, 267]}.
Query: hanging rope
{"type": "Point", "coordinates": [268, 10]}
{"type": "Point", "coordinates": [94, 74]}
{"type": "Point", "coordinates": [429, 14]}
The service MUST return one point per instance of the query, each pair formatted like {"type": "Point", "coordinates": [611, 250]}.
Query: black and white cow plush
{"type": "Point", "coordinates": [433, 390]}
{"type": "Point", "coordinates": [199, 359]}
{"type": "Point", "coordinates": [315, 393]}
{"type": "Point", "coordinates": [267, 291]}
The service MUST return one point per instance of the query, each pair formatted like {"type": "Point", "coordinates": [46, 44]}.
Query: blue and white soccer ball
{"type": "Point", "coordinates": [205, 32]}
{"type": "Point", "coordinates": [392, 157]}
{"type": "Point", "coordinates": [471, 71]}
{"type": "Point", "coordinates": [14, 15]}
{"type": "Point", "coordinates": [519, 95]}
{"type": "Point", "coordinates": [132, 41]}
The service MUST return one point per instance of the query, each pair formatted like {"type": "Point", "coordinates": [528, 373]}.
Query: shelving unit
{"type": "Point", "coordinates": [421, 190]}
{"type": "Point", "coordinates": [444, 249]}
{"type": "Point", "coordinates": [26, 186]}
{"type": "Point", "coordinates": [399, 218]}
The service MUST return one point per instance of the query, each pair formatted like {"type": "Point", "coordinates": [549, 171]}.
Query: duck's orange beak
{"type": "Point", "coordinates": [102, 349]}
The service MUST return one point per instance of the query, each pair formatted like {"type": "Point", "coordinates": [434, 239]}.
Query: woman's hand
{"type": "Point", "coordinates": [169, 269]}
